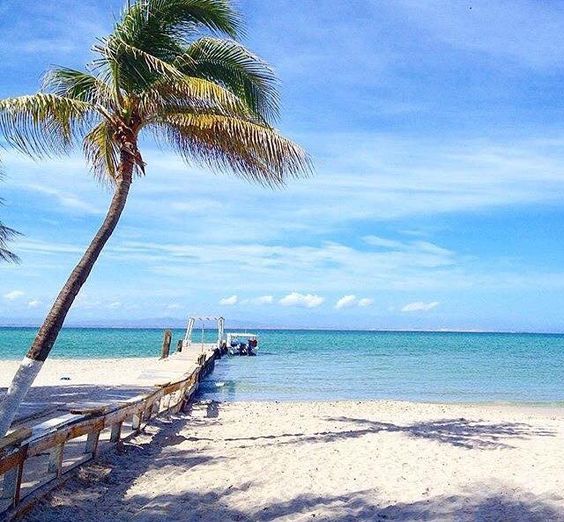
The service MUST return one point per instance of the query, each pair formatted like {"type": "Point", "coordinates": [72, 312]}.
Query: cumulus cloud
{"type": "Point", "coordinates": [34, 303]}
{"type": "Point", "coordinates": [345, 302]}
{"type": "Point", "coordinates": [232, 300]}
{"type": "Point", "coordinates": [305, 300]}
{"type": "Point", "coordinates": [419, 306]}
{"type": "Point", "coordinates": [13, 295]}
{"type": "Point", "coordinates": [365, 301]}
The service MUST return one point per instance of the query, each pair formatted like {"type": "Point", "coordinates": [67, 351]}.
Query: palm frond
{"type": "Point", "coordinates": [251, 150]}
{"type": "Point", "coordinates": [6, 235]}
{"type": "Point", "coordinates": [188, 93]}
{"type": "Point", "coordinates": [43, 124]}
{"type": "Point", "coordinates": [230, 64]}
{"type": "Point", "coordinates": [152, 33]}
{"type": "Point", "coordinates": [78, 85]}
{"type": "Point", "coordinates": [102, 152]}
{"type": "Point", "coordinates": [153, 25]}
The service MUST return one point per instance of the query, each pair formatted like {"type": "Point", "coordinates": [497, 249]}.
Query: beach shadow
{"type": "Point", "coordinates": [456, 432]}
{"type": "Point", "coordinates": [218, 505]}
{"type": "Point", "coordinates": [104, 486]}
{"type": "Point", "coordinates": [459, 432]}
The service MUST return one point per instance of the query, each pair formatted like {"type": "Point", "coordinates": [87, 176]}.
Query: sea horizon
{"type": "Point", "coordinates": [297, 364]}
{"type": "Point", "coordinates": [250, 326]}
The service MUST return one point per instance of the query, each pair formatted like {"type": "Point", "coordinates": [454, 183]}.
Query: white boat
{"type": "Point", "coordinates": [242, 344]}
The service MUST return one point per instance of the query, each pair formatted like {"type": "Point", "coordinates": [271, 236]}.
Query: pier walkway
{"type": "Point", "coordinates": [54, 435]}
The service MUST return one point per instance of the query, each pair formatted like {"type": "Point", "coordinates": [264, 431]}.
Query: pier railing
{"type": "Point", "coordinates": [53, 448]}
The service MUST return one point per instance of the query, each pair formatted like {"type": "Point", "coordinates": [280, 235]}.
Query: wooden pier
{"type": "Point", "coordinates": [41, 451]}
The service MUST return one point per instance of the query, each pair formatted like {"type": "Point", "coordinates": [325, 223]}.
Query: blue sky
{"type": "Point", "coordinates": [437, 133]}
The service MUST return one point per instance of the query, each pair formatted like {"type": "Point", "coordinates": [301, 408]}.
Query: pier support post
{"type": "Point", "coordinates": [179, 345]}
{"type": "Point", "coordinates": [115, 434]}
{"type": "Point", "coordinates": [166, 344]}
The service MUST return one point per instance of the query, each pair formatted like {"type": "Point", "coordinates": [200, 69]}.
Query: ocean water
{"type": "Point", "coordinates": [330, 365]}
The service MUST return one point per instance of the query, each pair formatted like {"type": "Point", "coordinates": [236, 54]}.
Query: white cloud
{"type": "Point", "coordinates": [228, 301]}
{"type": "Point", "coordinates": [264, 299]}
{"type": "Point", "coordinates": [345, 302]}
{"type": "Point", "coordinates": [13, 295]}
{"type": "Point", "coordinates": [34, 303]}
{"type": "Point", "coordinates": [65, 199]}
{"type": "Point", "coordinates": [306, 300]}
{"type": "Point", "coordinates": [173, 306]}
{"type": "Point", "coordinates": [365, 301]}
{"type": "Point", "coordinates": [114, 305]}
{"type": "Point", "coordinates": [419, 306]}
{"type": "Point", "coordinates": [196, 206]}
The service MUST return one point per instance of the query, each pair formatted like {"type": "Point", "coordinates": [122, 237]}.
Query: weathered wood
{"type": "Point", "coordinates": [166, 344]}
{"type": "Point", "coordinates": [64, 433]}
{"type": "Point", "coordinates": [14, 438]}
{"type": "Point", "coordinates": [13, 480]}
{"type": "Point", "coordinates": [56, 460]}
{"type": "Point", "coordinates": [12, 459]}
{"type": "Point", "coordinates": [89, 418]}
{"type": "Point", "coordinates": [179, 345]}
{"type": "Point", "coordinates": [87, 407]}
{"type": "Point", "coordinates": [92, 442]}
{"type": "Point", "coordinates": [115, 434]}
{"type": "Point", "coordinates": [136, 422]}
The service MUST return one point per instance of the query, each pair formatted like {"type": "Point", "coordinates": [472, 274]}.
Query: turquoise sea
{"type": "Point", "coordinates": [328, 365]}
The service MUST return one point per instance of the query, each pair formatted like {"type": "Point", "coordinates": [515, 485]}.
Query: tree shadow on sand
{"type": "Point", "coordinates": [220, 505]}
{"type": "Point", "coordinates": [456, 432]}
{"type": "Point", "coordinates": [103, 489]}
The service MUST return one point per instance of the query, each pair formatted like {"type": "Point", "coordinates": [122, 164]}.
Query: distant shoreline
{"type": "Point", "coordinates": [291, 329]}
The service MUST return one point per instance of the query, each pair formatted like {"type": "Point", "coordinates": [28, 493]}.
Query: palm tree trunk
{"type": "Point", "coordinates": [47, 334]}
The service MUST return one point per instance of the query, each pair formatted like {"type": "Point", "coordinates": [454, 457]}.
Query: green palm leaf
{"type": "Point", "coordinates": [228, 63]}
{"type": "Point", "coordinates": [43, 124]}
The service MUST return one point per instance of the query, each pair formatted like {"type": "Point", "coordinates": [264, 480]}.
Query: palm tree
{"type": "Point", "coordinates": [160, 73]}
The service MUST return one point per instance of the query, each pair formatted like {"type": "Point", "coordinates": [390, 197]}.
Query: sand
{"type": "Point", "coordinates": [330, 461]}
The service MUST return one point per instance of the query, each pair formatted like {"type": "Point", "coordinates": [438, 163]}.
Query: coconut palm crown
{"type": "Point", "coordinates": [171, 70]}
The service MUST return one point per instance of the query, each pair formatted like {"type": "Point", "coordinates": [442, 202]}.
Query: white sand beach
{"type": "Point", "coordinates": [331, 461]}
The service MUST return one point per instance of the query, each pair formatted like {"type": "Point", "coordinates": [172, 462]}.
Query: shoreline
{"type": "Point", "coordinates": [125, 371]}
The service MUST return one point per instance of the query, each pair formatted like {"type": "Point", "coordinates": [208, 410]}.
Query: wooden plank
{"type": "Point", "coordinates": [65, 433]}
{"type": "Point", "coordinates": [14, 438]}
{"type": "Point", "coordinates": [88, 407]}
{"type": "Point", "coordinates": [10, 460]}
{"type": "Point", "coordinates": [56, 460]}
{"type": "Point", "coordinates": [13, 480]}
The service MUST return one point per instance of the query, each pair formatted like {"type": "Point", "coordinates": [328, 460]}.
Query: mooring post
{"type": "Point", "coordinates": [179, 345]}
{"type": "Point", "coordinates": [166, 344]}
